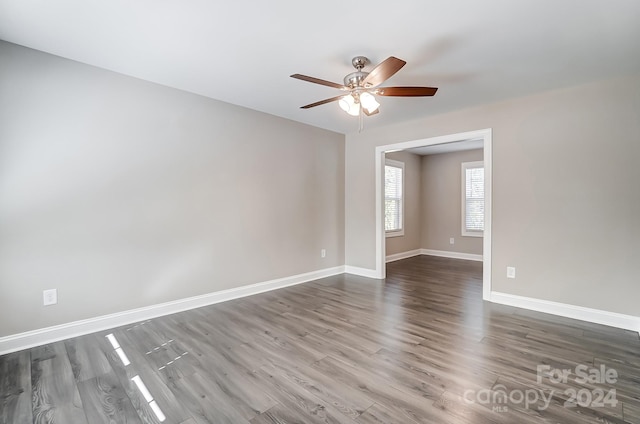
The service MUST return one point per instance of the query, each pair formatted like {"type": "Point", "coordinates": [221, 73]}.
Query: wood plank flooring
{"type": "Point", "coordinates": [419, 347]}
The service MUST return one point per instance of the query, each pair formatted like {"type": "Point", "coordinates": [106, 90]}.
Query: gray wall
{"type": "Point", "coordinates": [122, 193]}
{"type": "Point", "coordinates": [412, 199]}
{"type": "Point", "coordinates": [441, 202]}
{"type": "Point", "coordinates": [565, 196]}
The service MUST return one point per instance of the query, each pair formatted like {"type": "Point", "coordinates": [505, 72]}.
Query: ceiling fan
{"type": "Point", "coordinates": [362, 87]}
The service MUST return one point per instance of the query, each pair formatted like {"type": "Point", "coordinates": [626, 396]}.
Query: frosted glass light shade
{"type": "Point", "coordinates": [349, 105]}
{"type": "Point", "coordinates": [369, 102]}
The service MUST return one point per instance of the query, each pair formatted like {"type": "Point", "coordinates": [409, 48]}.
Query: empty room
{"type": "Point", "coordinates": [342, 212]}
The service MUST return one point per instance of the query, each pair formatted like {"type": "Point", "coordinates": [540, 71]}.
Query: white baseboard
{"type": "Point", "coordinates": [362, 272]}
{"type": "Point", "coordinates": [612, 319]}
{"type": "Point", "coordinates": [403, 255]}
{"type": "Point", "coordinates": [42, 336]}
{"type": "Point", "coordinates": [56, 333]}
{"type": "Point", "coordinates": [453, 255]}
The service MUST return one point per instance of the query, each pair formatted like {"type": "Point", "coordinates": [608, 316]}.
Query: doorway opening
{"type": "Point", "coordinates": [482, 135]}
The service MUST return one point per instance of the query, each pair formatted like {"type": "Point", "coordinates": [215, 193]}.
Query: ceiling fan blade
{"type": "Point", "coordinates": [383, 71]}
{"type": "Point", "coordinates": [321, 102]}
{"type": "Point", "coordinates": [406, 91]}
{"type": "Point", "coordinates": [319, 81]}
{"type": "Point", "coordinates": [366, 112]}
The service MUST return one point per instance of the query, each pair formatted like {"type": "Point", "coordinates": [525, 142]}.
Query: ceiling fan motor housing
{"type": "Point", "coordinates": [355, 79]}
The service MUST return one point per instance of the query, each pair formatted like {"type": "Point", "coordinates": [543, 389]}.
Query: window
{"type": "Point", "coordinates": [393, 198]}
{"type": "Point", "coordinates": [472, 199]}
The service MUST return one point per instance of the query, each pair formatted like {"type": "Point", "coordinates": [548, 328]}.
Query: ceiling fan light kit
{"type": "Point", "coordinates": [363, 87]}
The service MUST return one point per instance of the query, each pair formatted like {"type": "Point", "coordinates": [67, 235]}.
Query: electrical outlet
{"type": "Point", "coordinates": [323, 253]}
{"type": "Point", "coordinates": [50, 297]}
{"type": "Point", "coordinates": [511, 272]}
{"type": "Point", "coordinates": [451, 240]}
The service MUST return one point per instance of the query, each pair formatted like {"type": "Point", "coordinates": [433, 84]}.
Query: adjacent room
{"type": "Point", "coordinates": [435, 200]}
{"type": "Point", "coordinates": [274, 212]}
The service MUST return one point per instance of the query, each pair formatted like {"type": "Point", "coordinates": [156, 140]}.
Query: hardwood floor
{"type": "Point", "coordinates": [420, 347]}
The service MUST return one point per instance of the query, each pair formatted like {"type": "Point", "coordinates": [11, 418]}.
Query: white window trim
{"type": "Point", "coordinates": [400, 232]}
{"type": "Point", "coordinates": [464, 167]}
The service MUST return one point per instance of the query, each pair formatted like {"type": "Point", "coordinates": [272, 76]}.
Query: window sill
{"type": "Point", "coordinates": [394, 233]}
{"type": "Point", "coordinates": [473, 234]}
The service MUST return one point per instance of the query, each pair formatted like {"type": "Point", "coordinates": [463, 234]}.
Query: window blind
{"type": "Point", "coordinates": [474, 199]}
{"type": "Point", "coordinates": [393, 198]}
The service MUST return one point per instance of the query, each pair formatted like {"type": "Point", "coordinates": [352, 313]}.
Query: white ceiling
{"type": "Point", "coordinates": [243, 52]}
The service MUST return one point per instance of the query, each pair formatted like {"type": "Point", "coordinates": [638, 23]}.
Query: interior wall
{"type": "Point", "coordinates": [122, 193]}
{"type": "Point", "coordinates": [441, 202]}
{"type": "Point", "coordinates": [565, 198]}
{"type": "Point", "coordinates": [412, 200]}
